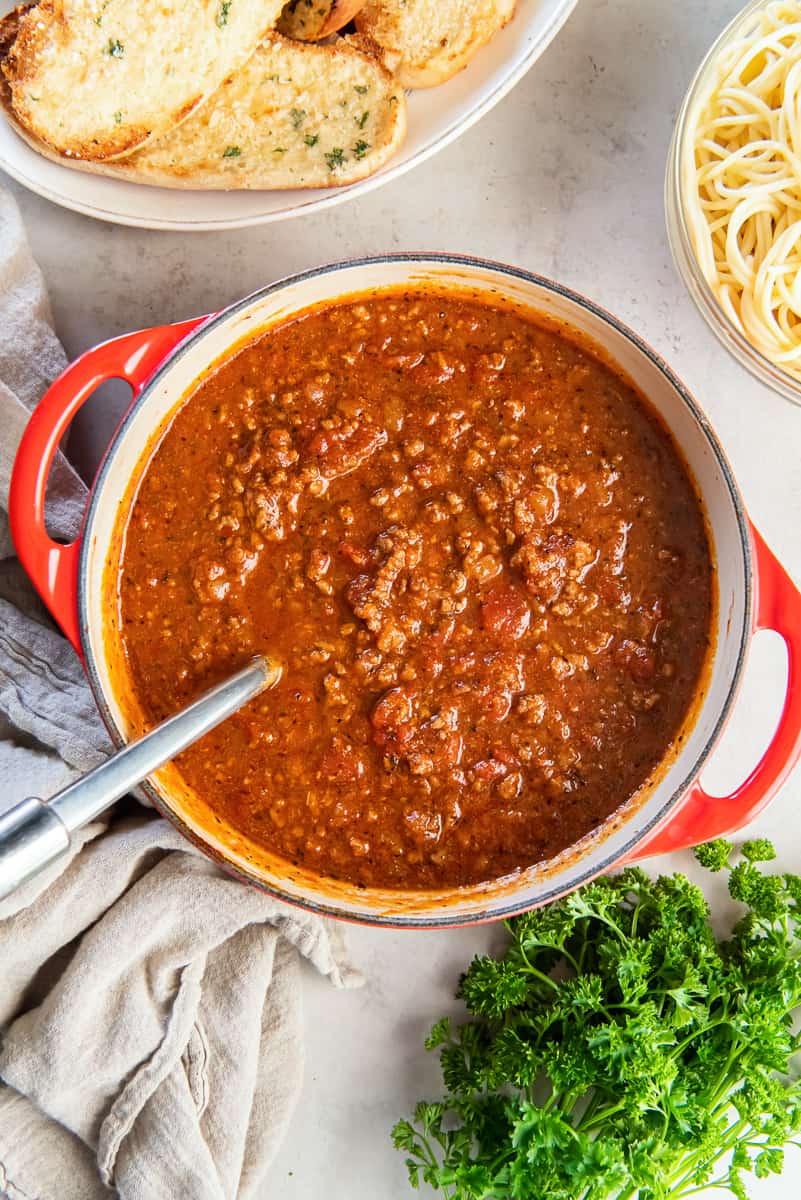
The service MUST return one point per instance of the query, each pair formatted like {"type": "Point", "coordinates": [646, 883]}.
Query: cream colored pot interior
{"type": "Point", "coordinates": [689, 429]}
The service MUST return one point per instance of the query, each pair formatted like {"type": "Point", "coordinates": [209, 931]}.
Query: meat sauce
{"type": "Point", "coordinates": [480, 559]}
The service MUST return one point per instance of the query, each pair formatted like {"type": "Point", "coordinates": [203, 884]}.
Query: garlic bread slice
{"type": "Point", "coordinates": [95, 79]}
{"type": "Point", "coordinates": [425, 42]}
{"type": "Point", "coordinates": [296, 115]}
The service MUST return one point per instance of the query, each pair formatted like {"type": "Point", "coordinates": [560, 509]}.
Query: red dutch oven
{"type": "Point", "coordinates": [162, 364]}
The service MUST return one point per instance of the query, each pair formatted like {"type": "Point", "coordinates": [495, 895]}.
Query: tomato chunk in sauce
{"type": "Point", "coordinates": [478, 555]}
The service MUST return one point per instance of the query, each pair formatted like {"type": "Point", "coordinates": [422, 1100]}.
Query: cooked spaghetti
{"type": "Point", "coordinates": [741, 181]}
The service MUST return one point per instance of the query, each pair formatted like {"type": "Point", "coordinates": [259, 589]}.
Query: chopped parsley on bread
{"type": "Point", "coordinates": [76, 64]}
{"type": "Point", "coordinates": [229, 94]}
{"type": "Point", "coordinates": [294, 116]}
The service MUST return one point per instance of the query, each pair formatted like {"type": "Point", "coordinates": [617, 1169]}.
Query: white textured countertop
{"type": "Point", "coordinates": [565, 178]}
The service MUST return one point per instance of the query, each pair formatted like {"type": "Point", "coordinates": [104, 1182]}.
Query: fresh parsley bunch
{"type": "Point", "coordinates": [619, 1049]}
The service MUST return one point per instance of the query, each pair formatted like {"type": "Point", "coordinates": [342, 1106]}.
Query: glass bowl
{"type": "Point", "coordinates": [680, 241]}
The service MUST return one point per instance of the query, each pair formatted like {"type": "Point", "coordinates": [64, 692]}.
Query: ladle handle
{"type": "Point", "coordinates": [36, 832]}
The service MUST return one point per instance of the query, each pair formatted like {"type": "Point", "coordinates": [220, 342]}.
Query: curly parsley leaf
{"type": "Point", "coordinates": [619, 1049]}
{"type": "Point", "coordinates": [714, 855]}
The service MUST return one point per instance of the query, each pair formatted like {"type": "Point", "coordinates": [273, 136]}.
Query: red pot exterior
{"type": "Point", "coordinates": [54, 570]}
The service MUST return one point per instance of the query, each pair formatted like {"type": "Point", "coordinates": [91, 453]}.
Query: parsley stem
{"type": "Point", "coordinates": [602, 1117]}
{"type": "Point", "coordinates": [703, 1158]}
{"type": "Point", "coordinates": [540, 974]}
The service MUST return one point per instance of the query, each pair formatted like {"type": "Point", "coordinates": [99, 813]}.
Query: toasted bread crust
{"type": "Point", "coordinates": [20, 67]}
{"type": "Point", "coordinates": [9, 28]}
{"type": "Point", "coordinates": [97, 91]}
{"type": "Point", "coordinates": [310, 20]}
{"type": "Point", "coordinates": [225, 143]}
{"type": "Point", "coordinates": [426, 42]}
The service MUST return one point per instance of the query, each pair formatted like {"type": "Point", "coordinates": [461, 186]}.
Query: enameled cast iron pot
{"type": "Point", "coordinates": [162, 364]}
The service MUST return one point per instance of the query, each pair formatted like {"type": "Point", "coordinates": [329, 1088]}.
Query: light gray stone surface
{"type": "Point", "coordinates": [565, 178]}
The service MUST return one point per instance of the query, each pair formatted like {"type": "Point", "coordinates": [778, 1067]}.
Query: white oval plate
{"type": "Point", "coordinates": [436, 117]}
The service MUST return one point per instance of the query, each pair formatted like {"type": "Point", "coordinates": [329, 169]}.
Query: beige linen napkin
{"type": "Point", "coordinates": [150, 1023]}
{"type": "Point", "coordinates": [170, 1042]}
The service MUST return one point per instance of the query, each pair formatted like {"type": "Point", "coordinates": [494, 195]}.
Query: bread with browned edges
{"type": "Point", "coordinates": [425, 42]}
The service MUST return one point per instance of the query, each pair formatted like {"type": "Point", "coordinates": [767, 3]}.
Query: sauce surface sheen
{"type": "Point", "coordinates": [479, 557]}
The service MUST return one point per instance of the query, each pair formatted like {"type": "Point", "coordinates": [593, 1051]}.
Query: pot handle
{"type": "Point", "coordinates": [703, 817]}
{"type": "Point", "coordinates": [53, 568]}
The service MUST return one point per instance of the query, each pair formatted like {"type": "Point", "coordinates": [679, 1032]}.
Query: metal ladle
{"type": "Point", "coordinates": [35, 832]}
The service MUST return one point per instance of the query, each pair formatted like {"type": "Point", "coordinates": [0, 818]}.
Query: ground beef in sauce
{"type": "Point", "coordinates": [479, 557]}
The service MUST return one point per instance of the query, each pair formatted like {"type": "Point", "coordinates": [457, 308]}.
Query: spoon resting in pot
{"type": "Point", "coordinates": [35, 832]}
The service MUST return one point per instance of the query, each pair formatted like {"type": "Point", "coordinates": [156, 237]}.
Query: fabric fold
{"type": "Point", "coordinates": [160, 1022]}
{"type": "Point", "coordinates": [150, 1005]}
